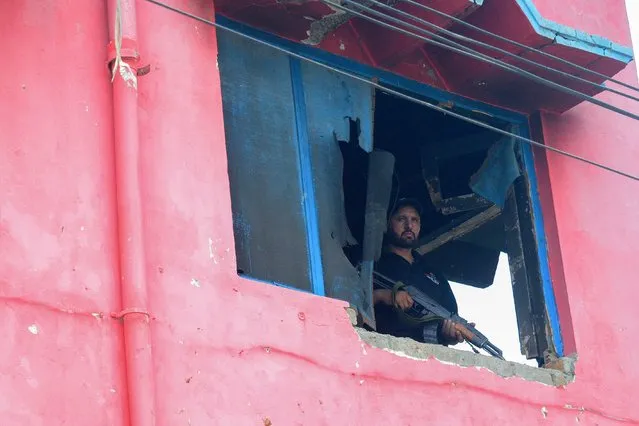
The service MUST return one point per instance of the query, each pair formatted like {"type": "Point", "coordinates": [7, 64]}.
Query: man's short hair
{"type": "Point", "coordinates": [405, 202]}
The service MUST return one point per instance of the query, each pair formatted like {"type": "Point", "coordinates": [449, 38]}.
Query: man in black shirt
{"type": "Point", "coordinates": [400, 262]}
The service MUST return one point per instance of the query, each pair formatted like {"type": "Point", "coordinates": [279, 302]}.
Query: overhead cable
{"type": "Point", "coordinates": [439, 29]}
{"type": "Point", "coordinates": [520, 45]}
{"type": "Point", "coordinates": [463, 50]}
{"type": "Point", "coordinates": [395, 92]}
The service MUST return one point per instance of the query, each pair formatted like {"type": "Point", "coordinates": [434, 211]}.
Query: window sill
{"type": "Point", "coordinates": [422, 351]}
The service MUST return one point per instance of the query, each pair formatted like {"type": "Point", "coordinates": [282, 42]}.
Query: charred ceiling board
{"type": "Point", "coordinates": [264, 171]}
{"type": "Point", "coordinates": [333, 104]}
{"type": "Point", "coordinates": [465, 263]}
{"type": "Point", "coordinates": [457, 228]}
{"type": "Point", "coordinates": [472, 263]}
{"type": "Point", "coordinates": [490, 235]}
{"type": "Point", "coordinates": [463, 203]}
{"type": "Point", "coordinates": [524, 270]}
{"type": "Point", "coordinates": [467, 144]}
{"type": "Point", "coordinates": [447, 205]}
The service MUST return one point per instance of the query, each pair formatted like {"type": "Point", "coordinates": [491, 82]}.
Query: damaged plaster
{"type": "Point", "coordinates": [409, 348]}
{"type": "Point", "coordinates": [321, 28]}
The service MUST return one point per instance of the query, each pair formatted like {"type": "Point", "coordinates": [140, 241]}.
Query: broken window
{"type": "Point", "coordinates": [477, 201]}
{"type": "Point", "coordinates": [284, 120]}
{"type": "Point", "coordinates": [308, 151]}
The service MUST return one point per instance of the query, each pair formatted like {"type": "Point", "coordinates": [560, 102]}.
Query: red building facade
{"type": "Point", "coordinates": [119, 291]}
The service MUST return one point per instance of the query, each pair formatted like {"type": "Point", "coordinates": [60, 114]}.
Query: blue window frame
{"type": "Point", "coordinates": [295, 113]}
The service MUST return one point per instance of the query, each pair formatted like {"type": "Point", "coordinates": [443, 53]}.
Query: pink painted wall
{"type": "Point", "coordinates": [596, 215]}
{"type": "Point", "coordinates": [593, 17]}
{"type": "Point", "coordinates": [58, 263]}
{"type": "Point", "coordinates": [229, 351]}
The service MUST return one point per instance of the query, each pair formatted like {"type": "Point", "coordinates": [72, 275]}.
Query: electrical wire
{"type": "Point", "coordinates": [395, 92]}
{"type": "Point", "coordinates": [520, 45]}
{"type": "Point", "coordinates": [439, 29]}
{"type": "Point", "coordinates": [449, 45]}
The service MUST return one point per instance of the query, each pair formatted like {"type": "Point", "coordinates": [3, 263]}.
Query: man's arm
{"type": "Point", "coordinates": [382, 296]}
{"type": "Point", "coordinates": [437, 332]}
{"type": "Point", "coordinates": [402, 298]}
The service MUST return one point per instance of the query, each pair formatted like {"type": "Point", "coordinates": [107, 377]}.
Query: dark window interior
{"type": "Point", "coordinates": [410, 131]}
{"type": "Point", "coordinates": [441, 153]}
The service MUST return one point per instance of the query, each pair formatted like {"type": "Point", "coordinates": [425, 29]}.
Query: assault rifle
{"type": "Point", "coordinates": [425, 309]}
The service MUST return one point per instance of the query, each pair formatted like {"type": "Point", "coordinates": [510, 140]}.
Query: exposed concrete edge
{"type": "Point", "coordinates": [421, 351]}
{"type": "Point", "coordinates": [322, 27]}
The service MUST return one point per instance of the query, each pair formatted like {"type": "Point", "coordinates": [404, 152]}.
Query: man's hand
{"type": "Point", "coordinates": [402, 298]}
{"type": "Point", "coordinates": [449, 334]}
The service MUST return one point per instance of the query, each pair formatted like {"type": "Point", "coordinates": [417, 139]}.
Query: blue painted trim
{"type": "Point", "coordinates": [572, 37]}
{"type": "Point", "coordinates": [309, 201]}
{"type": "Point", "coordinates": [542, 243]}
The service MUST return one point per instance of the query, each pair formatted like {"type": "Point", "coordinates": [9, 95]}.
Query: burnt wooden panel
{"type": "Point", "coordinates": [524, 269]}
{"type": "Point", "coordinates": [457, 228]}
{"type": "Point", "coordinates": [264, 173]}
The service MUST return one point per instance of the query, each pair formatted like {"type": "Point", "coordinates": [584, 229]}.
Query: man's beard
{"type": "Point", "coordinates": [398, 241]}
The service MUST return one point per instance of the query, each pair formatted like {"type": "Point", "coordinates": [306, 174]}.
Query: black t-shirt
{"type": "Point", "coordinates": [418, 274]}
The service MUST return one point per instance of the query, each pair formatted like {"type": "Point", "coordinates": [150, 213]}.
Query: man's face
{"type": "Point", "coordinates": [404, 228]}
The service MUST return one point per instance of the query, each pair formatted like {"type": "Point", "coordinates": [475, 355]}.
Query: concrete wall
{"type": "Point", "coordinates": [59, 357]}
{"type": "Point", "coordinates": [229, 351]}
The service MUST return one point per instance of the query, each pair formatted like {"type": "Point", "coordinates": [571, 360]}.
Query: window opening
{"type": "Point", "coordinates": [290, 124]}
{"type": "Point", "coordinates": [499, 322]}
{"type": "Point", "coordinates": [437, 160]}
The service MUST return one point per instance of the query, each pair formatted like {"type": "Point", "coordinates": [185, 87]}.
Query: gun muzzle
{"type": "Point", "coordinates": [479, 341]}
{"type": "Point", "coordinates": [493, 350]}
